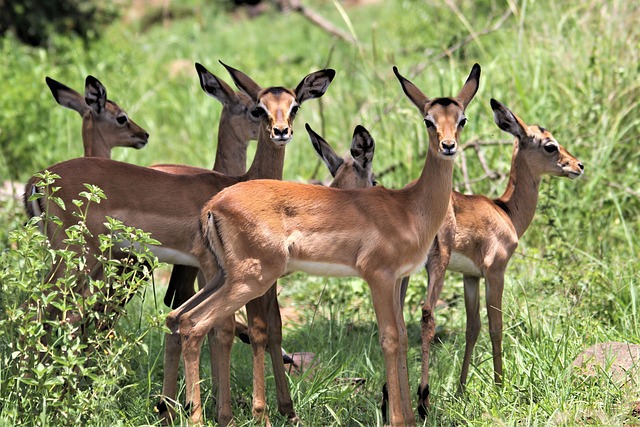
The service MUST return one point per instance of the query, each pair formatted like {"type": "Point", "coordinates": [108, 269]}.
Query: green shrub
{"type": "Point", "coordinates": [60, 372]}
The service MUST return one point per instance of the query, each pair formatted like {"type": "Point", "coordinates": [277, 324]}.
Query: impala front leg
{"type": "Point", "coordinates": [171, 364]}
{"type": "Point", "coordinates": [403, 346]}
{"type": "Point", "coordinates": [383, 296]}
{"type": "Point", "coordinates": [472, 308]}
{"type": "Point", "coordinates": [494, 283]}
{"type": "Point", "coordinates": [225, 334]}
{"type": "Point", "coordinates": [258, 333]}
{"type": "Point", "coordinates": [191, 343]}
{"type": "Point", "coordinates": [436, 268]}
{"type": "Point", "coordinates": [274, 347]}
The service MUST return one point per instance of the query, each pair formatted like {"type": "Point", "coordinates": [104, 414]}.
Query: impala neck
{"type": "Point", "coordinates": [95, 145]}
{"type": "Point", "coordinates": [268, 161]}
{"type": "Point", "coordinates": [430, 195]}
{"type": "Point", "coordinates": [231, 153]}
{"type": "Point", "coordinates": [521, 196]}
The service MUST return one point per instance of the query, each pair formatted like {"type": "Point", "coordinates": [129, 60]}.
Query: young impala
{"type": "Point", "coordinates": [104, 124]}
{"type": "Point", "coordinates": [265, 327]}
{"type": "Point", "coordinates": [263, 229]}
{"type": "Point", "coordinates": [168, 205]}
{"type": "Point", "coordinates": [236, 128]}
{"type": "Point", "coordinates": [479, 235]}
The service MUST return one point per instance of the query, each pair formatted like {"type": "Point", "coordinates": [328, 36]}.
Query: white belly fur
{"type": "Point", "coordinates": [462, 264]}
{"type": "Point", "coordinates": [321, 268]}
{"type": "Point", "coordinates": [167, 255]}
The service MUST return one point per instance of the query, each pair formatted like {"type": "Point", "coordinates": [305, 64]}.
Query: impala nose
{"type": "Point", "coordinates": [448, 147]}
{"type": "Point", "coordinates": [281, 133]}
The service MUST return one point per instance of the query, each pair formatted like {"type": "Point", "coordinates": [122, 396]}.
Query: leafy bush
{"type": "Point", "coordinates": [56, 371]}
{"type": "Point", "coordinates": [34, 21]}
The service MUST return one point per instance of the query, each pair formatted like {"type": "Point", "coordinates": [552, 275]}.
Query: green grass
{"type": "Point", "coordinates": [571, 67]}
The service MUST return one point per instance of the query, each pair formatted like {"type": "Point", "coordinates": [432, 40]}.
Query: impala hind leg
{"type": "Point", "coordinates": [214, 305]}
{"type": "Point", "coordinates": [472, 307]}
{"type": "Point", "coordinates": [436, 269]}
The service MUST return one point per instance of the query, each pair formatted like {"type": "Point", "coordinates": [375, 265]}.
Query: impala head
{"type": "Point", "coordinates": [536, 145]}
{"type": "Point", "coordinates": [276, 107]}
{"type": "Point", "coordinates": [104, 117]}
{"type": "Point", "coordinates": [443, 117]}
{"type": "Point", "coordinates": [350, 173]}
{"type": "Point", "coordinates": [237, 105]}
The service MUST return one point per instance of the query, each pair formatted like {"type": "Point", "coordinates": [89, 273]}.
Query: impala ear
{"type": "Point", "coordinates": [215, 87]}
{"type": "Point", "coordinates": [507, 121]}
{"type": "Point", "coordinates": [416, 96]}
{"type": "Point", "coordinates": [314, 85]}
{"type": "Point", "coordinates": [362, 147]}
{"type": "Point", "coordinates": [66, 96]}
{"type": "Point", "coordinates": [95, 94]}
{"type": "Point", "coordinates": [470, 87]}
{"type": "Point", "coordinates": [244, 82]}
{"type": "Point", "coordinates": [324, 150]}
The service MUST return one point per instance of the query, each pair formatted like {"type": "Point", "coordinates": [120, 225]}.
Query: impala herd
{"type": "Point", "coordinates": [240, 230]}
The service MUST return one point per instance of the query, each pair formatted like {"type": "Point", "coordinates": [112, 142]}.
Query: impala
{"type": "Point", "coordinates": [104, 124]}
{"type": "Point", "coordinates": [236, 128]}
{"type": "Point", "coordinates": [265, 325]}
{"type": "Point", "coordinates": [264, 229]}
{"type": "Point", "coordinates": [168, 205]}
{"type": "Point", "coordinates": [351, 172]}
{"type": "Point", "coordinates": [479, 235]}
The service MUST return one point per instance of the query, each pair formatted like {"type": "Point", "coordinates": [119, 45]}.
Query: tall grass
{"type": "Point", "coordinates": [571, 67]}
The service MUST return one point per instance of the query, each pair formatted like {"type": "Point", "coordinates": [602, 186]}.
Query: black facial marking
{"type": "Point", "coordinates": [275, 90]}
{"type": "Point", "coordinates": [445, 102]}
{"type": "Point", "coordinates": [258, 112]}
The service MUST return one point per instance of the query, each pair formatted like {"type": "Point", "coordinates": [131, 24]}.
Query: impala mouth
{"type": "Point", "coordinates": [281, 141]}
{"type": "Point", "coordinates": [140, 143]}
{"type": "Point", "coordinates": [448, 153]}
{"type": "Point", "coordinates": [574, 174]}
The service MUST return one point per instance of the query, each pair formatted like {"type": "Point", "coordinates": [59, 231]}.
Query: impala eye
{"type": "Point", "coordinates": [258, 112]}
{"type": "Point", "coordinates": [550, 148]}
{"type": "Point", "coordinates": [463, 122]}
{"type": "Point", "coordinates": [429, 123]}
{"type": "Point", "coordinates": [294, 110]}
{"type": "Point", "coordinates": [122, 119]}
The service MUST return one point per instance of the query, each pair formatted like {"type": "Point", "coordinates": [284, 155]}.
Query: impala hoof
{"type": "Point", "coordinates": [165, 413]}
{"type": "Point", "coordinates": [383, 405]}
{"type": "Point", "coordinates": [423, 401]}
{"type": "Point", "coordinates": [295, 421]}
